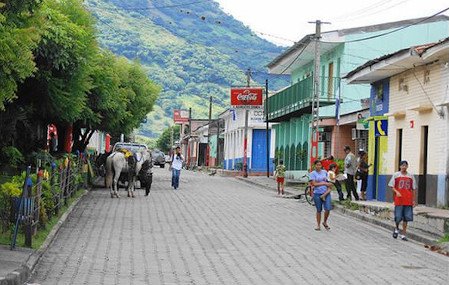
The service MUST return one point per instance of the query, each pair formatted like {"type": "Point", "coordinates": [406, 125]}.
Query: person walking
{"type": "Point", "coordinates": [176, 166]}
{"type": "Point", "coordinates": [350, 169]}
{"type": "Point", "coordinates": [280, 177]}
{"type": "Point", "coordinates": [404, 188]}
{"type": "Point", "coordinates": [319, 178]}
{"type": "Point", "coordinates": [362, 173]}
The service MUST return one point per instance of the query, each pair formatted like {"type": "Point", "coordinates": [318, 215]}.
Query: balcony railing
{"type": "Point", "coordinates": [296, 100]}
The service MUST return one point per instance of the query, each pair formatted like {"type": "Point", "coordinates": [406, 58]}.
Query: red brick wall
{"type": "Point", "coordinates": [342, 136]}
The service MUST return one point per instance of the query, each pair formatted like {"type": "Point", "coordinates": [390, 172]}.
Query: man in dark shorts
{"type": "Point", "coordinates": [404, 188]}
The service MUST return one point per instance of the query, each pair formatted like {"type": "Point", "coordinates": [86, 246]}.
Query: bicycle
{"type": "Point", "coordinates": [308, 190]}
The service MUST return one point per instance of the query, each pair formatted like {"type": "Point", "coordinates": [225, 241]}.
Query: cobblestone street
{"type": "Point", "coordinates": [216, 230]}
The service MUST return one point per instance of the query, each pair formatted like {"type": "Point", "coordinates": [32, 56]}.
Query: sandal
{"type": "Point", "coordinates": [326, 226]}
{"type": "Point", "coordinates": [318, 229]}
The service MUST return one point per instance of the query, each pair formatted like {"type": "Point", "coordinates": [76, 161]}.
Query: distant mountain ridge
{"type": "Point", "coordinates": [192, 49]}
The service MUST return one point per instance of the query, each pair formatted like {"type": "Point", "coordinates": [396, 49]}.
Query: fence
{"type": "Point", "coordinates": [43, 195]}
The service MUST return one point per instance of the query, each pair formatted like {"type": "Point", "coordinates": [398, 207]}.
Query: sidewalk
{"type": "Point", "coordinates": [17, 265]}
{"type": "Point", "coordinates": [429, 225]}
{"type": "Point", "coordinates": [12, 268]}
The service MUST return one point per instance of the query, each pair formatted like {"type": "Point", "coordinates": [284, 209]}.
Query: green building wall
{"type": "Point", "coordinates": [292, 145]}
{"type": "Point", "coordinates": [293, 136]}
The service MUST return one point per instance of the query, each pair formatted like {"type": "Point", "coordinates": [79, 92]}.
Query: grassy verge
{"type": "Point", "coordinates": [348, 205]}
{"type": "Point", "coordinates": [42, 233]}
{"type": "Point", "coordinates": [444, 238]}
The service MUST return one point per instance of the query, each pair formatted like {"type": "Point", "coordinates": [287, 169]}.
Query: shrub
{"type": "Point", "coordinates": [341, 165]}
{"type": "Point", "coordinates": [45, 158]}
{"type": "Point", "coordinates": [12, 156]}
{"type": "Point", "coordinates": [11, 189]}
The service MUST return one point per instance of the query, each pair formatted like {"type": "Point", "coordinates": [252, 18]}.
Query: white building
{"type": "Point", "coordinates": [99, 142]}
{"type": "Point", "coordinates": [418, 115]}
{"type": "Point", "coordinates": [234, 121]}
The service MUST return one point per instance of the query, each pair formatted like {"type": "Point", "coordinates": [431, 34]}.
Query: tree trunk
{"type": "Point", "coordinates": [80, 139]}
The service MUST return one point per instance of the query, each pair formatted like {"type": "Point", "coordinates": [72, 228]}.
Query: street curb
{"type": "Point", "coordinates": [266, 187]}
{"type": "Point", "coordinates": [23, 273]}
{"type": "Point", "coordinates": [428, 241]}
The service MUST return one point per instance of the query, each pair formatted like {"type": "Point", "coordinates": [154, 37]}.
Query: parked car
{"type": "Point", "coordinates": [158, 158]}
{"type": "Point", "coordinates": [134, 147]}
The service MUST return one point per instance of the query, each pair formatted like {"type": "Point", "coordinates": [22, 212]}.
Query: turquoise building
{"type": "Point", "coordinates": [340, 52]}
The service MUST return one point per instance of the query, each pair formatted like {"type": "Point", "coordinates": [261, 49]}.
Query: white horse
{"type": "Point", "coordinates": [117, 164]}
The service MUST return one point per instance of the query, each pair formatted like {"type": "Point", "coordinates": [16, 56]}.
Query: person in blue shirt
{"type": "Point", "coordinates": [319, 180]}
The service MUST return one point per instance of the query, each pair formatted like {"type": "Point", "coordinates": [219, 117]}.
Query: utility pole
{"type": "Point", "coordinates": [172, 129]}
{"type": "Point", "coordinates": [190, 136]}
{"type": "Point", "coordinates": [316, 91]}
{"type": "Point", "coordinates": [218, 143]}
{"type": "Point", "coordinates": [208, 132]}
{"type": "Point", "coordinates": [245, 134]}
{"type": "Point", "coordinates": [267, 128]}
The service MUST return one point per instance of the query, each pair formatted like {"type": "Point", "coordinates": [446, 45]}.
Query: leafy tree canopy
{"type": "Point", "coordinates": [19, 36]}
{"type": "Point", "coordinates": [163, 142]}
{"type": "Point", "coordinates": [53, 71]}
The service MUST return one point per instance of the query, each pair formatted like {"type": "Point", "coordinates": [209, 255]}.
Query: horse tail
{"type": "Point", "coordinates": [109, 173]}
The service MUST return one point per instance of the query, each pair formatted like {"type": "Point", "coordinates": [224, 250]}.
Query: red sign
{"type": "Point", "coordinates": [246, 97]}
{"type": "Point", "coordinates": [180, 116]}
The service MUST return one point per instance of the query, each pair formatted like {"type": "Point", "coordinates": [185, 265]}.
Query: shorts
{"type": "Point", "coordinates": [403, 213]}
{"type": "Point", "coordinates": [280, 179]}
{"type": "Point", "coordinates": [319, 204]}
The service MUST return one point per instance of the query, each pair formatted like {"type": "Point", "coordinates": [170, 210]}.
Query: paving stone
{"type": "Point", "coordinates": [218, 230]}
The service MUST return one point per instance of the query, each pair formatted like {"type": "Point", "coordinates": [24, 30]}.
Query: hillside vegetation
{"type": "Point", "coordinates": [193, 51]}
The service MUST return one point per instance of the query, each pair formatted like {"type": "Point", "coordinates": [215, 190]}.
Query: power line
{"type": "Point", "coordinates": [275, 36]}
{"type": "Point", "coordinates": [393, 31]}
{"type": "Point", "coordinates": [401, 67]}
{"type": "Point", "coordinates": [239, 63]}
{"type": "Point", "coordinates": [370, 12]}
{"type": "Point", "coordinates": [157, 7]}
{"type": "Point", "coordinates": [299, 54]}
{"type": "Point", "coordinates": [377, 4]}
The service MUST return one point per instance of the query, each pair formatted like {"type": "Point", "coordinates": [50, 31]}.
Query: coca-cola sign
{"type": "Point", "coordinates": [246, 97]}
{"type": "Point", "coordinates": [180, 116]}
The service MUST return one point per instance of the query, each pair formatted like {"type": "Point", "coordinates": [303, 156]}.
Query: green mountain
{"type": "Point", "coordinates": [191, 48]}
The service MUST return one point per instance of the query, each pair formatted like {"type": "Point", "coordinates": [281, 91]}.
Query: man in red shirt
{"type": "Point", "coordinates": [404, 188]}
{"type": "Point", "coordinates": [327, 162]}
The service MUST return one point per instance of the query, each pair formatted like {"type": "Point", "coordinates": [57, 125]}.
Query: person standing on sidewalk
{"type": "Point", "coordinates": [350, 169]}
{"type": "Point", "coordinates": [404, 188]}
{"type": "Point", "coordinates": [333, 179]}
{"type": "Point", "coordinates": [362, 173]}
{"type": "Point", "coordinates": [280, 177]}
{"type": "Point", "coordinates": [319, 178]}
{"type": "Point", "coordinates": [176, 166]}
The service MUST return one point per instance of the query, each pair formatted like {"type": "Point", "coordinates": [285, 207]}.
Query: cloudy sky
{"type": "Point", "coordinates": [287, 19]}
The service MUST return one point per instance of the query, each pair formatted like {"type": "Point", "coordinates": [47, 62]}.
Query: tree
{"type": "Point", "coordinates": [163, 142]}
{"type": "Point", "coordinates": [121, 97]}
{"type": "Point", "coordinates": [53, 71]}
{"type": "Point", "coordinates": [19, 36]}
